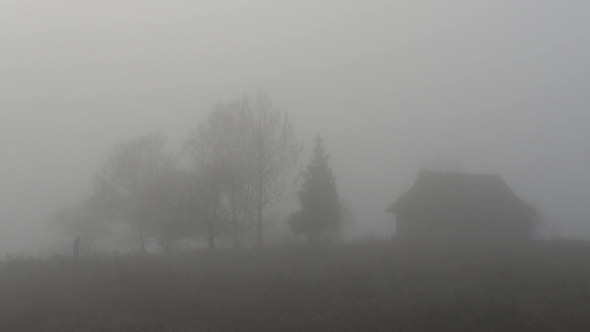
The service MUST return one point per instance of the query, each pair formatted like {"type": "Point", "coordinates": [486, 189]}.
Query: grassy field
{"type": "Point", "coordinates": [541, 286]}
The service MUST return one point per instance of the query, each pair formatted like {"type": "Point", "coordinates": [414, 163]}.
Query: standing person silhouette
{"type": "Point", "coordinates": [77, 247]}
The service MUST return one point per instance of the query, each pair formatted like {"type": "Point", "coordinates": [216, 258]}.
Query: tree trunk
{"type": "Point", "coordinates": [211, 241]}
{"type": "Point", "coordinates": [141, 237]}
{"type": "Point", "coordinates": [259, 224]}
{"type": "Point", "coordinates": [314, 237]}
{"type": "Point", "coordinates": [235, 220]}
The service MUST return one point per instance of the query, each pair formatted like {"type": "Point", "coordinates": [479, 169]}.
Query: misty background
{"type": "Point", "coordinates": [392, 86]}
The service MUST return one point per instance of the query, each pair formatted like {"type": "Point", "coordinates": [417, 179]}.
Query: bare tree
{"type": "Point", "coordinates": [173, 219]}
{"type": "Point", "coordinates": [219, 144]}
{"type": "Point", "coordinates": [272, 151]}
{"type": "Point", "coordinates": [211, 205]}
{"type": "Point", "coordinates": [538, 219]}
{"type": "Point", "coordinates": [349, 217]}
{"type": "Point", "coordinates": [128, 181]}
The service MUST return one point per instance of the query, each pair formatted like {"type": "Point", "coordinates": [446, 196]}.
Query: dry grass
{"type": "Point", "coordinates": [541, 286]}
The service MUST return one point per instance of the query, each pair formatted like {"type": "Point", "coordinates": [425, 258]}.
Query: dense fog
{"type": "Point", "coordinates": [393, 87]}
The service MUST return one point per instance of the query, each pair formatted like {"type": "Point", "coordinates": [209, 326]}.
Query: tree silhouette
{"type": "Point", "coordinates": [272, 150]}
{"type": "Point", "coordinates": [319, 200]}
{"type": "Point", "coordinates": [129, 181]}
{"type": "Point", "coordinates": [219, 145]}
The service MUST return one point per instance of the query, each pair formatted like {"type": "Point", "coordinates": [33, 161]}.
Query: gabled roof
{"type": "Point", "coordinates": [452, 188]}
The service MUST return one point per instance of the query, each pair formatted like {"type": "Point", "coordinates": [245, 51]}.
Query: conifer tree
{"type": "Point", "coordinates": [320, 207]}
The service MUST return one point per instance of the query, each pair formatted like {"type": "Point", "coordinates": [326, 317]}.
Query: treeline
{"type": "Point", "coordinates": [243, 160]}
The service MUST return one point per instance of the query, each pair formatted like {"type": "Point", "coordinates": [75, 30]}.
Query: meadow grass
{"type": "Point", "coordinates": [372, 286]}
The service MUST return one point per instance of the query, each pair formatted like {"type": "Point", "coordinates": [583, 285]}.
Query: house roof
{"type": "Point", "coordinates": [433, 188]}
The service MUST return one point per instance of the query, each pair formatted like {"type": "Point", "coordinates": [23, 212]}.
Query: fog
{"type": "Point", "coordinates": [392, 86]}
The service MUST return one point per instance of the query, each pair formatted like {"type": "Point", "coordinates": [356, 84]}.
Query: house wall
{"type": "Point", "coordinates": [462, 224]}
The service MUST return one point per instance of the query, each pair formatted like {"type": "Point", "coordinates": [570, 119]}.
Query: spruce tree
{"type": "Point", "coordinates": [320, 207]}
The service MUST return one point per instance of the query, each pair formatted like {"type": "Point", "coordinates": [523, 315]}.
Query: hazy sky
{"type": "Point", "coordinates": [498, 86]}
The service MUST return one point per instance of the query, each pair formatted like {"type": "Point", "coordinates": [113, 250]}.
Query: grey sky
{"type": "Point", "coordinates": [500, 86]}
